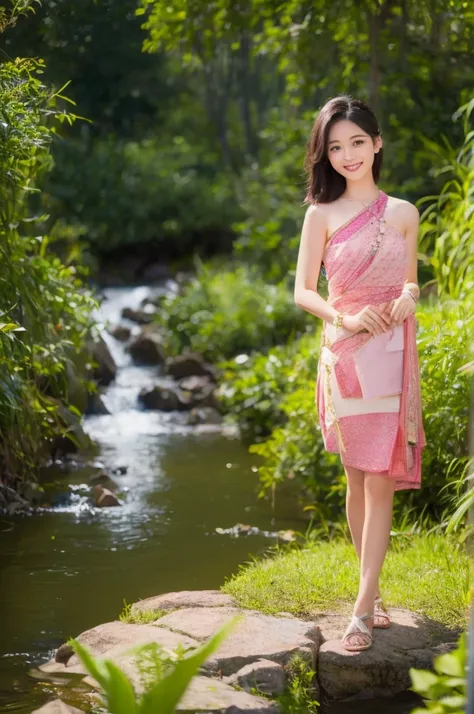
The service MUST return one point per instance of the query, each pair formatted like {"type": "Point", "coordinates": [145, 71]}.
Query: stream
{"type": "Point", "coordinates": [72, 566]}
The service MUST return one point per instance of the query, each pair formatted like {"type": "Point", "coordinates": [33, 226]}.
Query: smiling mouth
{"type": "Point", "coordinates": [353, 167]}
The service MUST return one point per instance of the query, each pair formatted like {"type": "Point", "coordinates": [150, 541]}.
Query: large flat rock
{"type": "Point", "coordinates": [411, 641]}
{"type": "Point", "coordinates": [185, 598]}
{"type": "Point", "coordinates": [206, 694]}
{"type": "Point", "coordinates": [194, 616]}
{"type": "Point", "coordinates": [256, 636]}
{"type": "Point", "coordinates": [113, 639]}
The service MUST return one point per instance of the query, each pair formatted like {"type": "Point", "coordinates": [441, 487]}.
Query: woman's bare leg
{"type": "Point", "coordinates": [355, 505]}
{"type": "Point", "coordinates": [379, 490]}
{"type": "Point", "coordinates": [355, 508]}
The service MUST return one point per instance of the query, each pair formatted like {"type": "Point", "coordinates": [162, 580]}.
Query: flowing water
{"type": "Point", "coordinates": [72, 566]}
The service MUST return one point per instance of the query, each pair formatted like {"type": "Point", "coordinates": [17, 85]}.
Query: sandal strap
{"type": "Point", "coordinates": [357, 626]}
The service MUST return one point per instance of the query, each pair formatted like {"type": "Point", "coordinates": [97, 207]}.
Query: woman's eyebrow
{"type": "Point", "coordinates": [352, 137]}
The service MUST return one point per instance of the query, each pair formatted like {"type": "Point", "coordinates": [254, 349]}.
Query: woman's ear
{"type": "Point", "coordinates": [378, 144]}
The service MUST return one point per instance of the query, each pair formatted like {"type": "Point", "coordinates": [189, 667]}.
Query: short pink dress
{"type": "Point", "coordinates": [372, 429]}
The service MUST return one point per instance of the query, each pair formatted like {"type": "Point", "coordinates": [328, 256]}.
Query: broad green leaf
{"type": "Point", "coordinates": [165, 695]}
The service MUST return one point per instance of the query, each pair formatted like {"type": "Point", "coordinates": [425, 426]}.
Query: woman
{"type": "Point", "coordinates": [368, 386]}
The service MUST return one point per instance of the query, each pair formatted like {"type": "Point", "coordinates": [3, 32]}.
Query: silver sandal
{"type": "Point", "coordinates": [381, 617]}
{"type": "Point", "coordinates": [357, 627]}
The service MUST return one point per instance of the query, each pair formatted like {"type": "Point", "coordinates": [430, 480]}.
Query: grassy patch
{"type": "Point", "coordinates": [140, 617]}
{"type": "Point", "coordinates": [428, 574]}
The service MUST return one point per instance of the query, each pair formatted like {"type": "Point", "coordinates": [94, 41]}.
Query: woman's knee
{"type": "Point", "coordinates": [355, 478]}
{"type": "Point", "coordinates": [379, 486]}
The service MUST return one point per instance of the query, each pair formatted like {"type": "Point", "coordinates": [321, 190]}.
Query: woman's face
{"type": "Point", "coordinates": [351, 151]}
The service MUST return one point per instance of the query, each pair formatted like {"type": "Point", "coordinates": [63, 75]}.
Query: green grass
{"type": "Point", "coordinates": [140, 617]}
{"type": "Point", "coordinates": [428, 574]}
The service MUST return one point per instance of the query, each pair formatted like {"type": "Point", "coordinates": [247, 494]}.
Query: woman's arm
{"type": "Point", "coordinates": [412, 223]}
{"type": "Point", "coordinates": [406, 304]}
{"type": "Point", "coordinates": [313, 240]}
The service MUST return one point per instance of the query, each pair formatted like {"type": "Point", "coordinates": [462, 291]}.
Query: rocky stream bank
{"type": "Point", "coordinates": [253, 665]}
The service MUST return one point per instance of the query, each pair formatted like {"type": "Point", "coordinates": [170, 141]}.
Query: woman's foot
{"type": "Point", "coordinates": [358, 635]}
{"type": "Point", "coordinates": [381, 618]}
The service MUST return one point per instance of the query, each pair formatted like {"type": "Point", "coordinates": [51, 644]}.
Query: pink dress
{"type": "Point", "coordinates": [371, 430]}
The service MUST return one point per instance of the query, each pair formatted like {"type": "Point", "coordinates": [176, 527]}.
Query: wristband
{"type": "Point", "coordinates": [409, 292]}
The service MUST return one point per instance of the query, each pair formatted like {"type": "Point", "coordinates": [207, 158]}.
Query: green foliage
{"type": "Point", "coordinates": [445, 689]}
{"type": "Point", "coordinates": [165, 200]}
{"type": "Point", "coordinates": [299, 695]}
{"type": "Point", "coordinates": [170, 676]}
{"type": "Point", "coordinates": [443, 337]}
{"type": "Point", "coordinates": [447, 224]}
{"type": "Point", "coordinates": [270, 194]}
{"type": "Point", "coordinates": [140, 616]}
{"type": "Point", "coordinates": [228, 309]}
{"type": "Point", "coordinates": [9, 16]}
{"type": "Point", "coordinates": [254, 387]}
{"type": "Point", "coordinates": [45, 308]}
{"type": "Point", "coordinates": [463, 501]}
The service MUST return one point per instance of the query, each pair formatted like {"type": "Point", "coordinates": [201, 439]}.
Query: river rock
{"type": "Point", "coordinates": [161, 397]}
{"type": "Point", "coordinates": [141, 317]}
{"type": "Point", "coordinates": [193, 616]}
{"type": "Point", "coordinates": [11, 500]}
{"type": "Point", "coordinates": [198, 391]}
{"type": "Point", "coordinates": [57, 707]}
{"type": "Point", "coordinates": [104, 480]}
{"type": "Point", "coordinates": [184, 599]}
{"type": "Point", "coordinates": [189, 364]}
{"type": "Point", "coordinates": [32, 492]}
{"type": "Point", "coordinates": [106, 369]}
{"type": "Point", "coordinates": [95, 404]}
{"type": "Point", "coordinates": [206, 694]}
{"type": "Point", "coordinates": [156, 271]}
{"type": "Point", "coordinates": [204, 415]}
{"type": "Point", "coordinates": [105, 498]}
{"type": "Point", "coordinates": [267, 676]}
{"type": "Point", "coordinates": [256, 636]}
{"type": "Point", "coordinates": [121, 333]}
{"type": "Point", "coordinates": [411, 641]}
{"type": "Point", "coordinates": [116, 638]}
{"type": "Point", "coordinates": [147, 348]}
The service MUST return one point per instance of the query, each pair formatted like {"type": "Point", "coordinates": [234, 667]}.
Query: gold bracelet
{"type": "Point", "coordinates": [337, 322]}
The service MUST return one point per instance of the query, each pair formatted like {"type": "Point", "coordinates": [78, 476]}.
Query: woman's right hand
{"type": "Point", "coordinates": [373, 319]}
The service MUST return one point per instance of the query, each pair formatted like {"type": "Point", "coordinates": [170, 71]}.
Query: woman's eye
{"type": "Point", "coordinates": [359, 141]}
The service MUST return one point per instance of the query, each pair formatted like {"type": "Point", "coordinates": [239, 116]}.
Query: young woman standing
{"type": "Point", "coordinates": [368, 384]}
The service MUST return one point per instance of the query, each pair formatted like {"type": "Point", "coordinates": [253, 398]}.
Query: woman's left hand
{"type": "Point", "coordinates": [400, 308]}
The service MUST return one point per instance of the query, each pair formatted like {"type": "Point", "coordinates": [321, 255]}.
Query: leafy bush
{"type": "Point", "coordinates": [45, 308]}
{"type": "Point", "coordinates": [150, 194]}
{"type": "Point", "coordinates": [229, 309]}
{"type": "Point", "coordinates": [443, 338]}
{"type": "Point", "coordinates": [271, 195]}
{"type": "Point", "coordinates": [447, 224]}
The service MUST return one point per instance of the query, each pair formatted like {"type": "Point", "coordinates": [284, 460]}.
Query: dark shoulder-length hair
{"type": "Point", "coordinates": [324, 184]}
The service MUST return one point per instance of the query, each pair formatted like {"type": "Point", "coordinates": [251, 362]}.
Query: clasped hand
{"type": "Point", "coordinates": [378, 319]}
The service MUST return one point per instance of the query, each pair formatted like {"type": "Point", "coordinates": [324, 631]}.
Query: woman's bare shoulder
{"type": "Point", "coordinates": [403, 207]}
{"type": "Point", "coordinates": [317, 213]}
